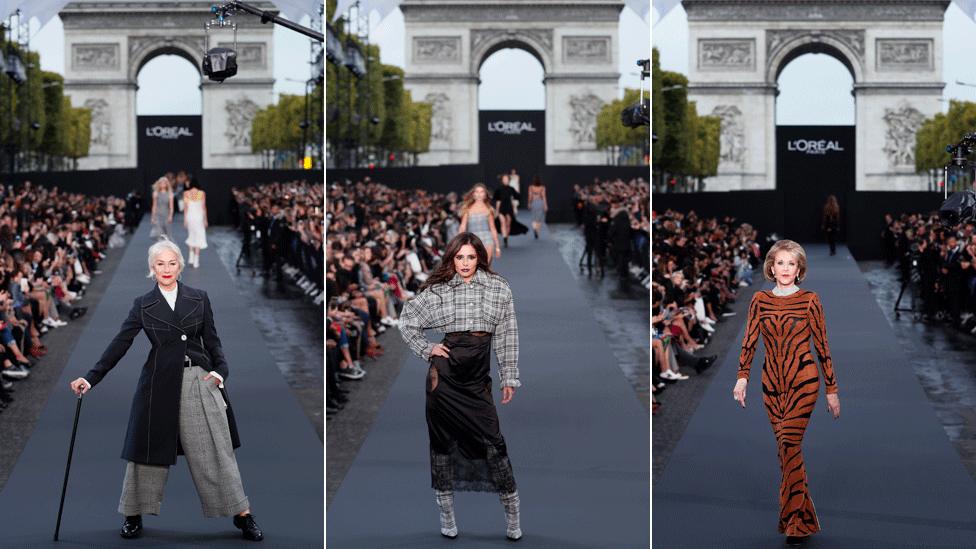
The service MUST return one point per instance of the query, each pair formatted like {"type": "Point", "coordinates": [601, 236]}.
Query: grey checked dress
{"type": "Point", "coordinates": [467, 450]}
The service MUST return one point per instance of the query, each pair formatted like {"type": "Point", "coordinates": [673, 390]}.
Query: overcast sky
{"type": "Point", "coordinates": [832, 103]}
{"type": "Point", "coordinates": [528, 92]}
{"type": "Point", "coordinates": [169, 84]}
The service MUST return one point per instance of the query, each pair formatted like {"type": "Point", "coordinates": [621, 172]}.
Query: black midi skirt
{"type": "Point", "coordinates": [467, 451]}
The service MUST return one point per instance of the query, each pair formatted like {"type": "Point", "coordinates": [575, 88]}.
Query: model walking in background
{"type": "Point", "coordinates": [831, 222]}
{"type": "Point", "coordinates": [473, 306]}
{"type": "Point", "coordinates": [195, 220]}
{"type": "Point", "coordinates": [787, 317]}
{"type": "Point", "coordinates": [537, 204]}
{"type": "Point", "coordinates": [162, 209]}
{"type": "Point", "coordinates": [478, 217]}
{"type": "Point", "coordinates": [179, 407]}
{"type": "Point", "coordinates": [503, 197]}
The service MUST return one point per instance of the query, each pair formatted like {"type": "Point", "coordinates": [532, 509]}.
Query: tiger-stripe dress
{"type": "Point", "coordinates": [790, 384]}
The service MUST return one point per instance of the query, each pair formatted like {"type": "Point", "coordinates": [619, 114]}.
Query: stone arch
{"type": "Point", "coordinates": [538, 45]}
{"type": "Point", "coordinates": [848, 48]}
{"type": "Point", "coordinates": [143, 49]}
{"type": "Point", "coordinates": [107, 43]}
{"type": "Point", "coordinates": [893, 50]}
{"type": "Point", "coordinates": [576, 42]}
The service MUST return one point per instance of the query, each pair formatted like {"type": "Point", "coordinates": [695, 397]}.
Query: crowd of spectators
{"type": "Point", "coordinates": [281, 228]}
{"type": "Point", "coordinates": [51, 243]}
{"type": "Point", "coordinates": [616, 228]}
{"type": "Point", "coordinates": [937, 267]}
{"type": "Point", "coordinates": [698, 266]}
{"type": "Point", "coordinates": [384, 242]}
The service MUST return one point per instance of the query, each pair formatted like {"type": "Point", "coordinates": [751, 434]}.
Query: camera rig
{"type": "Point", "coordinates": [961, 206]}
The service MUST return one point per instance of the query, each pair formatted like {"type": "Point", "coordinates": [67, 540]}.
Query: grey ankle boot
{"type": "Point", "coordinates": [445, 502]}
{"type": "Point", "coordinates": [510, 502]}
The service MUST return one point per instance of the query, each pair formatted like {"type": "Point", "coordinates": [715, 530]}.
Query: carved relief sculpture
{"type": "Point", "coordinates": [902, 123]}
{"type": "Point", "coordinates": [586, 49]}
{"type": "Point", "coordinates": [542, 38]}
{"type": "Point", "coordinates": [440, 117]}
{"type": "Point", "coordinates": [726, 54]}
{"type": "Point", "coordinates": [904, 54]}
{"type": "Point", "coordinates": [91, 57]}
{"type": "Point", "coordinates": [101, 124]}
{"type": "Point", "coordinates": [249, 54]}
{"type": "Point", "coordinates": [584, 109]}
{"type": "Point", "coordinates": [732, 137]}
{"type": "Point", "coordinates": [240, 113]}
{"type": "Point", "coordinates": [437, 49]}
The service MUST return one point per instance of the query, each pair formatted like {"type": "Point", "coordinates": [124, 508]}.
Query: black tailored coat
{"type": "Point", "coordinates": [152, 436]}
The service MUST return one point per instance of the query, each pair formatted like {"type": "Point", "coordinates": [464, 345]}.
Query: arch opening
{"type": "Point", "coordinates": [815, 88]}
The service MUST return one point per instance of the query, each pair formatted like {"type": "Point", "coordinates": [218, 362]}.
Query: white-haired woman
{"type": "Point", "coordinates": [181, 396]}
{"type": "Point", "coordinates": [162, 208]}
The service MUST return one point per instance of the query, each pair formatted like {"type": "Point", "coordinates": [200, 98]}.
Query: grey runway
{"type": "Point", "coordinates": [576, 433]}
{"type": "Point", "coordinates": [882, 476]}
{"type": "Point", "coordinates": [280, 458]}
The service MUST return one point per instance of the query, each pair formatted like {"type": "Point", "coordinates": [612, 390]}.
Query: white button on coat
{"type": "Point", "coordinates": [183, 337]}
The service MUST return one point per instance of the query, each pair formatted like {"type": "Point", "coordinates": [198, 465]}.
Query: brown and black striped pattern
{"type": "Point", "coordinates": [790, 384]}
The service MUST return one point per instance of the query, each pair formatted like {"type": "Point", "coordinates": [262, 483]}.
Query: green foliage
{"type": "Point", "coordinates": [352, 104]}
{"type": "Point", "coordinates": [704, 155]}
{"type": "Point", "coordinates": [37, 119]}
{"type": "Point", "coordinates": [610, 131]}
{"type": "Point", "coordinates": [658, 128]}
{"type": "Point", "coordinates": [677, 140]}
{"type": "Point", "coordinates": [942, 129]}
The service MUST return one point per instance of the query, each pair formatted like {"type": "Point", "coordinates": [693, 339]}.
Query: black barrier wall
{"type": "Point", "coordinates": [119, 182]}
{"type": "Point", "coordinates": [862, 213]}
{"type": "Point", "coordinates": [512, 139]}
{"type": "Point", "coordinates": [559, 181]}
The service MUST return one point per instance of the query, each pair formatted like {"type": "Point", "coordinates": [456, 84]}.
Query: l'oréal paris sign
{"type": "Point", "coordinates": [168, 132]}
{"type": "Point", "coordinates": [812, 146]}
{"type": "Point", "coordinates": [510, 128]}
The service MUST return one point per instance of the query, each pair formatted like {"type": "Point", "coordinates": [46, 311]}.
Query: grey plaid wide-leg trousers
{"type": "Point", "coordinates": [209, 453]}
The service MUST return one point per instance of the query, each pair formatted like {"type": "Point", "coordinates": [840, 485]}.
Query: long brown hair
{"type": "Point", "coordinates": [831, 209]}
{"type": "Point", "coordinates": [444, 271]}
{"type": "Point", "coordinates": [468, 200]}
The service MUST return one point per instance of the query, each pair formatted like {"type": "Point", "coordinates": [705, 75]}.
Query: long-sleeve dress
{"type": "Point", "coordinates": [790, 384]}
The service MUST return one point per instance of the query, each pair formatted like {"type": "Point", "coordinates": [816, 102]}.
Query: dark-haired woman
{"type": "Point", "coordinates": [473, 306]}
{"type": "Point", "coordinates": [831, 222]}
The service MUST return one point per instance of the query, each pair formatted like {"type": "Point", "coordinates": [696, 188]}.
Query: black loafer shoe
{"type": "Point", "coordinates": [132, 527]}
{"type": "Point", "coordinates": [249, 527]}
{"type": "Point", "coordinates": [795, 541]}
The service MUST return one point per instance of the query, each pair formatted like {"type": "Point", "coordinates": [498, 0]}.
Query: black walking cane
{"type": "Point", "coordinates": [71, 449]}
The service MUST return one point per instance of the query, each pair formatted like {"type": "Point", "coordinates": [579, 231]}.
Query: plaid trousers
{"type": "Point", "coordinates": [206, 442]}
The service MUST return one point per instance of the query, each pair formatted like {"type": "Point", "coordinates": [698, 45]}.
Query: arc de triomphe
{"type": "Point", "coordinates": [107, 43]}
{"type": "Point", "coordinates": [892, 48]}
{"type": "Point", "coordinates": [575, 41]}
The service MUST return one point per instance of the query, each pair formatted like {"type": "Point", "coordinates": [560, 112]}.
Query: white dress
{"type": "Point", "coordinates": [197, 237]}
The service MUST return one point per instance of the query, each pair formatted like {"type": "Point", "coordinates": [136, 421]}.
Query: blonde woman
{"type": "Point", "coordinates": [195, 220]}
{"type": "Point", "coordinates": [478, 217]}
{"type": "Point", "coordinates": [180, 405]}
{"type": "Point", "coordinates": [162, 208]}
{"type": "Point", "coordinates": [787, 317]}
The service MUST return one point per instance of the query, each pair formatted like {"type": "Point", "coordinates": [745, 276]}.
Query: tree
{"type": "Point", "coordinates": [676, 143]}
{"type": "Point", "coordinates": [611, 134]}
{"type": "Point", "coordinates": [658, 128]}
{"type": "Point", "coordinates": [704, 154]}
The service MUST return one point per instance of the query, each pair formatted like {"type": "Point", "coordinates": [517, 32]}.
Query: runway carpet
{"type": "Point", "coordinates": [882, 476]}
{"type": "Point", "coordinates": [576, 433]}
{"type": "Point", "coordinates": [280, 458]}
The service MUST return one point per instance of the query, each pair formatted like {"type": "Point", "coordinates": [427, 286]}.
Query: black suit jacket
{"type": "Point", "coordinates": [152, 436]}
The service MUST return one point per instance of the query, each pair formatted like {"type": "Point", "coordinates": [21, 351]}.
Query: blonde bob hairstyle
{"type": "Point", "coordinates": [786, 246]}
{"type": "Point", "coordinates": [159, 247]}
